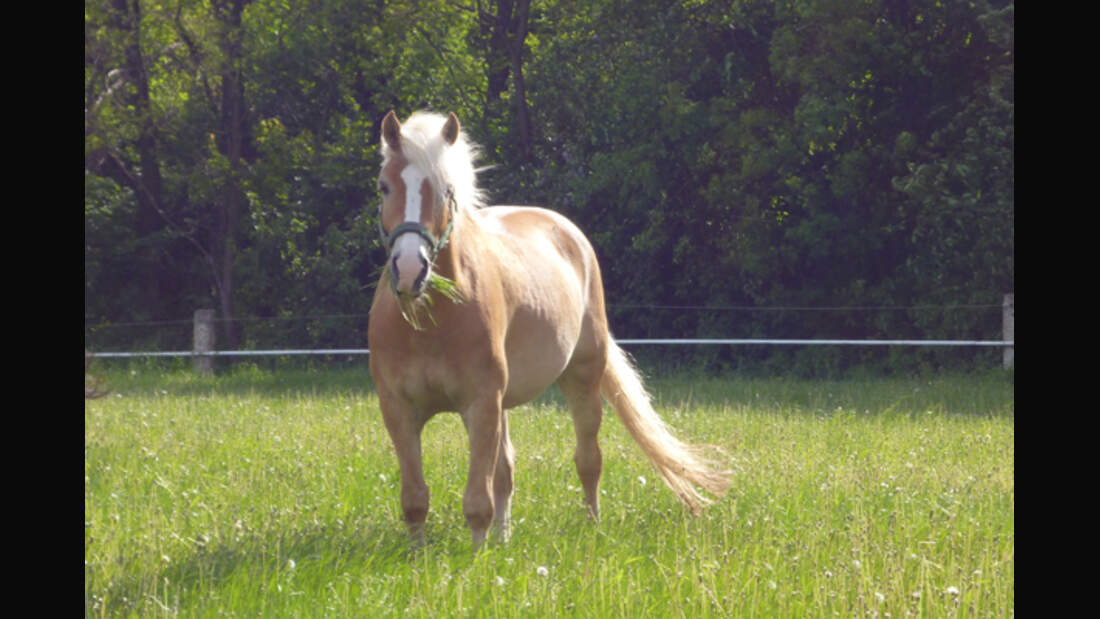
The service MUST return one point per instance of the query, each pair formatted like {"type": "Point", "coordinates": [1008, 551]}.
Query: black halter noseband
{"type": "Point", "coordinates": [414, 227]}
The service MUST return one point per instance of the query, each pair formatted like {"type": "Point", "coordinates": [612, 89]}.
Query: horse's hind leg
{"type": "Point", "coordinates": [581, 387]}
{"type": "Point", "coordinates": [503, 482]}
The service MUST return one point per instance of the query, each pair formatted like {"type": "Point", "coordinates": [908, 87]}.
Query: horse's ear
{"type": "Point", "coordinates": [391, 131]}
{"type": "Point", "coordinates": [451, 129]}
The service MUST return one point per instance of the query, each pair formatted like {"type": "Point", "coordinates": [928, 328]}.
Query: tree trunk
{"type": "Point", "coordinates": [235, 143]}
{"type": "Point", "coordinates": [523, 121]}
{"type": "Point", "coordinates": [507, 33]}
{"type": "Point", "coordinates": [496, 57]}
{"type": "Point", "coordinates": [146, 179]}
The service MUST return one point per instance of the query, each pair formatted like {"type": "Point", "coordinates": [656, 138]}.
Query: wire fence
{"type": "Point", "coordinates": [623, 342]}
{"type": "Point", "coordinates": [1007, 342]}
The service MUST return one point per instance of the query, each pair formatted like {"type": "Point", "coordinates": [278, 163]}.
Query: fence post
{"type": "Point", "coordinates": [204, 341]}
{"type": "Point", "coordinates": [1008, 320]}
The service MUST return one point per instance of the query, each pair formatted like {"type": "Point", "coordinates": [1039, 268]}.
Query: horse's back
{"type": "Point", "coordinates": [531, 233]}
{"type": "Point", "coordinates": [529, 222]}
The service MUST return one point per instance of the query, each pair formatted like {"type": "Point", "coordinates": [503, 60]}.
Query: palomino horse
{"type": "Point", "coordinates": [523, 308]}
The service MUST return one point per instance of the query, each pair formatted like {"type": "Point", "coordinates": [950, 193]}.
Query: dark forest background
{"type": "Point", "coordinates": [797, 169]}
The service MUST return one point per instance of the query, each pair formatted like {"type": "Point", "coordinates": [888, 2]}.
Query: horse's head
{"type": "Point", "coordinates": [418, 196]}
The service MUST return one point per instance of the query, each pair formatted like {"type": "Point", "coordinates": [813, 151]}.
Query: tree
{"type": "Point", "coordinates": [191, 76]}
{"type": "Point", "coordinates": [117, 77]}
{"type": "Point", "coordinates": [740, 154]}
{"type": "Point", "coordinates": [503, 35]}
{"type": "Point", "coordinates": [235, 145]}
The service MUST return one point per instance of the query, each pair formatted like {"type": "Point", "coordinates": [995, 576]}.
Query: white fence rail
{"type": "Point", "coordinates": [625, 342]}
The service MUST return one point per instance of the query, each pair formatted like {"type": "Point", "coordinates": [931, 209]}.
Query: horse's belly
{"type": "Point", "coordinates": [537, 353]}
{"type": "Point", "coordinates": [546, 266]}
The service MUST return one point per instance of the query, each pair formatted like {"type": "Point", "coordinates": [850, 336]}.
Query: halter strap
{"type": "Point", "coordinates": [434, 245]}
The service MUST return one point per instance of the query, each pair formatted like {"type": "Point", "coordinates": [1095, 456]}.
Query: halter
{"type": "Point", "coordinates": [414, 227]}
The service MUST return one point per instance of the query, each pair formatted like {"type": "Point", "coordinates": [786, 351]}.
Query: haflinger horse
{"type": "Point", "coordinates": [520, 306]}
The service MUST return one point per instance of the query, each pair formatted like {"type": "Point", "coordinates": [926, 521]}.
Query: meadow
{"type": "Point", "coordinates": [274, 493]}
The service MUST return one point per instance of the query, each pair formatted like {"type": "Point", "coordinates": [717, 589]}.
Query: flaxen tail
{"type": "Point", "coordinates": [683, 467]}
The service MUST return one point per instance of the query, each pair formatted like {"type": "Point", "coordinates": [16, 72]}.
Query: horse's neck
{"type": "Point", "coordinates": [464, 239]}
{"type": "Point", "coordinates": [472, 241]}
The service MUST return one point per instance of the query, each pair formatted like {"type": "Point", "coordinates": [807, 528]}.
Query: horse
{"type": "Point", "coordinates": [521, 307]}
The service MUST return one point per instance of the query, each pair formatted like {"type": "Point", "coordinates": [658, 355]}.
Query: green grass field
{"type": "Point", "coordinates": [275, 494]}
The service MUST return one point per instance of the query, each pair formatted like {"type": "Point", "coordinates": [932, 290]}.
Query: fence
{"type": "Point", "coordinates": [204, 349]}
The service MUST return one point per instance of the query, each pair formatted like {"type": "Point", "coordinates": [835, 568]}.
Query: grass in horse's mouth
{"type": "Point", "coordinates": [415, 307]}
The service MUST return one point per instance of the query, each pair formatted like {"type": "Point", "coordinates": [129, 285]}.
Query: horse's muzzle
{"type": "Point", "coordinates": [410, 270]}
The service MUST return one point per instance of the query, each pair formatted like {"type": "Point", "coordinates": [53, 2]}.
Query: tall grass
{"type": "Point", "coordinates": [275, 493]}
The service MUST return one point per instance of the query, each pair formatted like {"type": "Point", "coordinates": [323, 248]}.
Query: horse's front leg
{"type": "Point", "coordinates": [404, 427]}
{"type": "Point", "coordinates": [484, 426]}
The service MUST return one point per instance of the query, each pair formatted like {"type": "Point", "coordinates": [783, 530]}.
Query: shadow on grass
{"type": "Point", "coordinates": [976, 393]}
{"type": "Point", "coordinates": [152, 378]}
{"type": "Point", "coordinates": [953, 393]}
{"type": "Point", "coordinates": [244, 568]}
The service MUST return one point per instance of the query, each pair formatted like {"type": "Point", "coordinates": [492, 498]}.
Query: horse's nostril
{"type": "Point", "coordinates": [421, 280]}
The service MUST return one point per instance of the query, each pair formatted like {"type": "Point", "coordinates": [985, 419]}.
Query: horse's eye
{"type": "Point", "coordinates": [384, 188]}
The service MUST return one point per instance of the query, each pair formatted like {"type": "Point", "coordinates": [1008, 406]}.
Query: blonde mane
{"type": "Point", "coordinates": [422, 144]}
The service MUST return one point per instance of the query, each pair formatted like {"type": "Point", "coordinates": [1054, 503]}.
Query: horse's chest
{"type": "Point", "coordinates": [434, 382]}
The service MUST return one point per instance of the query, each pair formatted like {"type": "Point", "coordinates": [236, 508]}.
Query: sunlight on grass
{"type": "Point", "coordinates": [276, 493]}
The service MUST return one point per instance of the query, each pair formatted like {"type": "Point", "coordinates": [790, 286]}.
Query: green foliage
{"type": "Point", "coordinates": [740, 154]}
